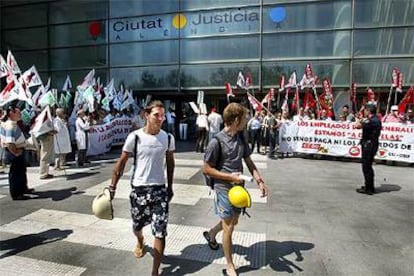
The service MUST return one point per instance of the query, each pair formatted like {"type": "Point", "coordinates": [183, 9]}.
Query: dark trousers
{"type": "Point", "coordinates": [201, 139]}
{"type": "Point", "coordinates": [369, 149]}
{"type": "Point", "coordinates": [272, 143]}
{"type": "Point", "coordinates": [81, 157]}
{"type": "Point", "coordinates": [255, 138]}
{"type": "Point", "coordinates": [17, 175]}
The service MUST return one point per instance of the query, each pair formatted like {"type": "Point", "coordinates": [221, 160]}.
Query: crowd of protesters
{"type": "Point", "coordinates": [263, 127]}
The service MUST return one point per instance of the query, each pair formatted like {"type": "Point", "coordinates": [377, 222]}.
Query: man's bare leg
{"type": "Point", "coordinates": [214, 231]}
{"type": "Point", "coordinates": [159, 245]}
{"type": "Point", "coordinates": [228, 228]}
{"type": "Point", "coordinates": [139, 250]}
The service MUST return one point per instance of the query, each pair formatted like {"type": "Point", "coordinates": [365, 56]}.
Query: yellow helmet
{"type": "Point", "coordinates": [102, 205]}
{"type": "Point", "coordinates": [239, 197]}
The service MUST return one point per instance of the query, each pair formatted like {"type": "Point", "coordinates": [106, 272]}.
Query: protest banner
{"type": "Point", "coordinates": [103, 137]}
{"type": "Point", "coordinates": [332, 138]}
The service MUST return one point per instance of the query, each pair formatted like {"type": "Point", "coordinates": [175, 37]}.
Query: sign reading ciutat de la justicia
{"type": "Point", "coordinates": [230, 21]}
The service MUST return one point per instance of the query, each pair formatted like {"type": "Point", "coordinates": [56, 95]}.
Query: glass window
{"type": "Point", "coordinates": [159, 77]}
{"type": "Point", "coordinates": [384, 42]}
{"type": "Point", "coordinates": [307, 16]}
{"type": "Point", "coordinates": [142, 28]}
{"type": "Point", "coordinates": [303, 45]}
{"type": "Point", "coordinates": [76, 76]}
{"type": "Point", "coordinates": [337, 71]}
{"type": "Point", "coordinates": [285, 1]}
{"type": "Point", "coordinates": [26, 59]}
{"type": "Point", "coordinates": [124, 8]}
{"type": "Point", "coordinates": [208, 4]}
{"type": "Point", "coordinates": [71, 11]}
{"type": "Point", "coordinates": [220, 22]}
{"type": "Point", "coordinates": [207, 75]}
{"type": "Point", "coordinates": [144, 53]}
{"type": "Point", "coordinates": [222, 48]}
{"type": "Point", "coordinates": [24, 16]}
{"type": "Point", "coordinates": [372, 13]}
{"type": "Point", "coordinates": [378, 72]}
{"type": "Point", "coordinates": [93, 57]}
{"type": "Point", "coordinates": [25, 39]}
{"type": "Point", "coordinates": [77, 34]}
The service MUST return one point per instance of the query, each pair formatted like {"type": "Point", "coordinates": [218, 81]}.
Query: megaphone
{"type": "Point", "coordinates": [102, 205]}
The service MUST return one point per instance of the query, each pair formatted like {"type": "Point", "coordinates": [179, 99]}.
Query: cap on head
{"type": "Point", "coordinates": [394, 108]}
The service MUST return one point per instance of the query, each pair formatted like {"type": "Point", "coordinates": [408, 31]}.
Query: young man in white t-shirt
{"type": "Point", "coordinates": [152, 148]}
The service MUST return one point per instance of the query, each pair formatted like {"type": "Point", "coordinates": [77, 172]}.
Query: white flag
{"type": "Point", "coordinates": [9, 93]}
{"type": "Point", "coordinates": [4, 68]}
{"type": "Point", "coordinates": [31, 77]}
{"type": "Point", "coordinates": [292, 80]}
{"type": "Point", "coordinates": [67, 86]}
{"type": "Point", "coordinates": [47, 86]}
{"type": "Point", "coordinates": [194, 107]}
{"type": "Point", "coordinates": [43, 123]}
{"type": "Point", "coordinates": [11, 61]}
{"type": "Point", "coordinates": [88, 80]}
{"type": "Point", "coordinates": [241, 82]}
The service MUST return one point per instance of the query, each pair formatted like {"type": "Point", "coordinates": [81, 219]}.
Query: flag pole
{"type": "Point", "coordinates": [395, 97]}
{"type": "Point", "coordinates": [318, 107]}
{"type": "Point", "coordinates": [389, 100]}
{"type": "Point", "coordinates": [260, 104]}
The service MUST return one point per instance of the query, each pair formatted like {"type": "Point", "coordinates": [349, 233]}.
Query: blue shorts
{"type": "Point", "coordinates": [149, 205]}
{"type": "Point", "coordinates": [223, 207]}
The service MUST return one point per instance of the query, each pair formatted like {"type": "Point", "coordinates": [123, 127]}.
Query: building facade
{"type": "Point", "coordinates": [173, 48]}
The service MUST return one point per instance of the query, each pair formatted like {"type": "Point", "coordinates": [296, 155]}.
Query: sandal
{"type": "Point", "coordinates": [212, 244]}
{"type": "Point", "coordinates": [139, 252]}
{"type": "Point", "coordinates": [224, 272]}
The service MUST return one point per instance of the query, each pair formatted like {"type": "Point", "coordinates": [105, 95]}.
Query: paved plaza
{"type": "Point", "coordinates": [313, 223]}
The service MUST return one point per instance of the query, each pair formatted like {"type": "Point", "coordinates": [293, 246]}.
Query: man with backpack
{"type": "Point", "coordinates": [152, 148]}
{"type": "Point", "coordinates": [223, 164]}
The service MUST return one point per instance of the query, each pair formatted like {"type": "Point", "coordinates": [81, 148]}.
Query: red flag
{"type": "Point", "coordinates": [254, 102]}
{"type": "Point", "coordinates": [308, 71]}
{"type": "Point", "coordinates": [308, 100]}
{"type": "Point", "coordinates": [394, 80]}
{"type": "Point", "coordinates": [295, 103]}
{"type": "Point", "coordinates": [352, 96]}
{"type": "Point", "coordinates": [326, 98]}
{"type": "Point", "coordinates": [399, 83]}
{"type": "Point", "coordinates": [370, 95]}
{"type": "Point", "coordinates": [249, 80]}
{"type": "Point", "coordinates": [282, 83]}
{"type": "Point", "coordinates": [269, 96]}
{"type": "Point", "coordinates": [229, 90]}
{"type": "Point", "coordinates": [407, 100]}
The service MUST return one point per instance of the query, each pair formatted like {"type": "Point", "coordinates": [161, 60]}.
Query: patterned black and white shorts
{"type": "Point", "coordinates": [149, 205]}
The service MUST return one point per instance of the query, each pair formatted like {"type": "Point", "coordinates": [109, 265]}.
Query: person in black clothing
{"type": "Point", "coordinates": [371, 130]}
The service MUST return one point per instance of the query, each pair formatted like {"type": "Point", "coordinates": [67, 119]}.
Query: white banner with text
{"type": "Point", "coordinates": [332, 138]}
{"type": "Point", "coordinates": [103, 137]}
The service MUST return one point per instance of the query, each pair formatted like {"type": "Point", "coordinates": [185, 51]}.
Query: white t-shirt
{"type": "Point", "coordinates": [215, 121]}
{"type": "Point", "coordinates": [151, 151]}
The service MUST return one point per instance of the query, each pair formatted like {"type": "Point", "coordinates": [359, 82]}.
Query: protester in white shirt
{"type": "Point", "coordinates": [215, 120]}
{"type": "Point", "coordinates": [202, 130]}
{"type": "Point", "coordinates": [62, 139]}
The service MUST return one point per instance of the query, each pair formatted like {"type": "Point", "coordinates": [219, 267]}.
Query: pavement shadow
{"type": "Point", "coordinates": [79, 175]}
{"type": "Point", "coordinates": [276, 253]}
{"type": "Point", "coordinates": [57, 195]}
{"type": "Point", "coordinates": [22, 243]}
{"type": "Point", "coordinates": [387, 188]}
{"type": "Point", "coordinates": [275, 257]}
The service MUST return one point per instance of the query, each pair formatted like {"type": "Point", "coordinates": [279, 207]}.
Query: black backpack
{"type": "Point", "coordinates": [209, 180]}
